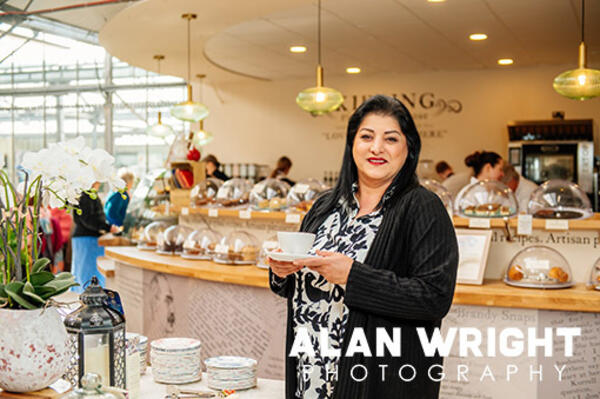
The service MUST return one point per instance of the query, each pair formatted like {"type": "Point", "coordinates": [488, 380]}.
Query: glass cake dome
{"type": "Point", "coordinates": [267, 246]}
{"type": "Point", "coordinates": [441, 191]}
{"type": "Point", "coordinates": [204, 193]}
{"type": "Point", "coordinates": [486, 199]}
{"type": "Point", "coordinates": [304, 193]}
{"type": "Point", "coordinates": [171, 241]}
{"type": "Point", "coordinates": [269, 195]}
{"type": "Point", "coordinates": [152, 232]}
{"type": "Point", "coordinates": [201, 244]}
{"type": "Point", "coordinates": [559, 199]}
{"type": "Point", "coordinates": [237, 248]}
{"type": "Point", "coordinates": [539, 266]}
{"type": "Point", "coordinates": [594, 282]}
{"type": "Point", "coordinates": [234, 192]}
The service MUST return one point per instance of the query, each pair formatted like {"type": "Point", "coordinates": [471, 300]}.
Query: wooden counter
{"type": "Point", "coordinates": [493, 293]}
{"type": "Point", "coordinates": [201, 269]}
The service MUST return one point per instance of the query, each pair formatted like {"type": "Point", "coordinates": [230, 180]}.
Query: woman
{"type": "Point", "coordinates": [486, 165]}
{"type": "Point", "coordinates": [117, 202]}
{"type": "Point", "coordinates": [212, 168]}
{"type": "Point", "coordinates": [387, 258]}
{"type": "Point", "coordinates": [284, 164]}
{"type": "Point", "coordinates": [89, 225]}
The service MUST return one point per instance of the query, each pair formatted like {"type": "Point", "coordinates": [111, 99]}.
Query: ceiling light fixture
{"type": "Point", "coordinates": [581, 83]}
{"type": "Point", "coordinates": [505, 61]}
{"type": "Point", "coordinates": [353, 70]}
{"type": "Point", "coordinates": [298, 49]}
{"type": "Point", "coordinates": [319, 100]}
{"type": "Point", "coordinates": [201, 137]}
{"type": "Point", "coordinates": [477, 36]}
{"type": "Point", "coordinates": [159, 129]}
{"type": "Point", "coordinates": [189, 110]}
{"type": "Point", "coordinates": [436, 1]}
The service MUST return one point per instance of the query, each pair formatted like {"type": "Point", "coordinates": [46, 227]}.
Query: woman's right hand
{"type": "Point", "coordinates": [283, 269]}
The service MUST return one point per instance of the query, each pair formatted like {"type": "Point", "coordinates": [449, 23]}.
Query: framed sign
{"type": "Point", "coordinates": [473, 249]}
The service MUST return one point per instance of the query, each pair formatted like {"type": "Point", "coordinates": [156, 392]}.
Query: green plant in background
{"type": "Point", "coordinates": [24, 282]}
{"type": "Point", "coordinates": [59, 175]}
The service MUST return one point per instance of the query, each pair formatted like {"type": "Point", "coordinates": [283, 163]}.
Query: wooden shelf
{"type": "Point", "coordinates": [492, 293]}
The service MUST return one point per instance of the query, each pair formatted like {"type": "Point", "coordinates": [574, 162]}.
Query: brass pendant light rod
{"type": "Point", "coordinates": [582, 52]}
{"type": "Point", "coordinates": [189, 18]}
{"type": "Point", "coordinates": [159, 58]}
{"type": "Point", "coordinates": [319, 65]}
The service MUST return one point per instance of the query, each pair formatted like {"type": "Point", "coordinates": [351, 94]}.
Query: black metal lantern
{"type": "Point", "coordinates": [97, 339]}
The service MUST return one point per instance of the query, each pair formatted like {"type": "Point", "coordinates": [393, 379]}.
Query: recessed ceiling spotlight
{"type": "Point", "coordinates": [477, 36]}
{"type": "Point", "coordinates": [505, 61]}
{"type": "Point", "coordinates": [298, 49]}
{"type": "Point", "coordinates": [436, 1]}
{"type": "Point", "coordinates": [353, 70]}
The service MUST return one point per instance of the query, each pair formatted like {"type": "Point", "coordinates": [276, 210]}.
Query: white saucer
{"type": "Point", "coordinates": [287, 257]}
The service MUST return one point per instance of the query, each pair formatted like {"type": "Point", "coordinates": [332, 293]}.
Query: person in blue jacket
{"type": "Point", "coordinates": [116, 204]}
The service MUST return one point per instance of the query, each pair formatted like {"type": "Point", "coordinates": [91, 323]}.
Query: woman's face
{"type": "Point", "coordinates": [492, 172]}
{"type": "Point", "coordinates": [210, 168]}
{"type": "Point", "coordinates": [379, 149]}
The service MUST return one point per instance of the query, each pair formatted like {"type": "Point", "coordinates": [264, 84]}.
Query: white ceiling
{"type": "Point", "coordinates": [253, 37]}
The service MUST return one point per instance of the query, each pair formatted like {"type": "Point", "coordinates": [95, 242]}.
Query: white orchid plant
{"type": "Point", "coordinates": [56, 177]}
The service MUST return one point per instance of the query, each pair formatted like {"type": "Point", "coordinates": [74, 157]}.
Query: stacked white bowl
{"type": "Point", "coordinates": [176, 360]}
{"type": "Point", "coordinates": [230, 372]}
{"type": "Point", "coordinates": [142, 348]}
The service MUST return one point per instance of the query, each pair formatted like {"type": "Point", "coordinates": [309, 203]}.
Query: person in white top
{"type": "Point", "coordinates": [486, 165]}
{"type": "Point", "coordinates": [522, 187]}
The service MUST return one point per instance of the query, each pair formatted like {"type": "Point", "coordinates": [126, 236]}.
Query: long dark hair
{"type": "Point", "coordinates": [385, 106]}
{"type": "Point", "coordinates": [479, 159]}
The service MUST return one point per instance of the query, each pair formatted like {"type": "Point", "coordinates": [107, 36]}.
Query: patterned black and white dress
{"type": "Point", "coordinates": [318, 304]}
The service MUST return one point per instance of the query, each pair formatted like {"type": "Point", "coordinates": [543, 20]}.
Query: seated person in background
{"type": "Point", "coordinates": [522, 187]}
{"type": "Point", "coordinates": [486, 165]}
{"type": "Point", "coordinates": [284, 164]}
{"type": "Point", "coordinates": [116, 204]}
{"type": "Point", "coordinates": [212, 168]}
{"type": "Point", "coordinates": [443, 170]}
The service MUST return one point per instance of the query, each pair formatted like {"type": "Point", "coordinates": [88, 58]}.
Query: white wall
{"type": "Point", "coordinates": [259, 121]}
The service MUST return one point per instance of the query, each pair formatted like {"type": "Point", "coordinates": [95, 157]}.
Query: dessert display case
{"type": "Point", "coordinates": [441, 191]}
{"type": "Point", "coordinates": [205, 192]}
{"type": "Point", "coordinates": [201, 244]}
{"type": "Point", "coordinates": [267, 246]}
{"type": "Point", "coordinates": [237, 248]}
{"type": "Point", "coordinates": [170, 242]}
{"type": "Point", "coordinates": [594, 282]}
{"type": "Point", "coordinates": [560, 199]}
{"type": "Point", "coordinates": [539, 266]}
{"type": "Point", "coordinates": [152, 232]}
{"type": "Point", "coordinates": [486, 199]}
{"type": "Point", "coordinates": [303, 194]}
{"type": "Point", "coordinates": [233, 192]}
{"type": "Point", "coordinates": [269, 195]}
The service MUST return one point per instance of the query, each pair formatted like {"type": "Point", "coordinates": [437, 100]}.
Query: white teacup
{"type": "Point", "coordinates": [295, 243]}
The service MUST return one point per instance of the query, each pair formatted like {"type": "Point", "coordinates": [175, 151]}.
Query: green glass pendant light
{"type": "Point", "coordinates": [189, 110]}
{"type": "Point", "coordinates": [319, 100]}
{"type": "Point", "coordinates": [159, 129]}
{"type": "Point", "coordinates": [581, 83]}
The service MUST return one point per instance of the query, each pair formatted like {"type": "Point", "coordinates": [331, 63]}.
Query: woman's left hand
{"type": "Point", "coordinates": [334, 266]}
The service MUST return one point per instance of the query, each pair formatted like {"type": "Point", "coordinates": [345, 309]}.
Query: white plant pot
{"type": "Point", "coordinates": [34, 349]}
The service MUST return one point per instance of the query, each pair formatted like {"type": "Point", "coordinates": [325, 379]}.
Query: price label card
{"type": "Point", "coordinates": [537, 264]}
{"type": "Point", "coordinates": [524, 225]}
{"type": "Point", "coordinates": [245, 214]}
{"type": "Point", "coordinates": [222, 249]}
{"type": "Point", "coordinates": [477, 223]}
{"type": "Point", "coordinates": [60, 386]}
{"type": "Point", "coordinates": [556, 224]}
{"type": "Point", "coordinates": [293, 218]}
{"type": "Point", "coordinates": [185, 211]}
{"type": "Point", "coordinates": [213, 213]}
{"type": "Point", "coordinates": [301, 188]}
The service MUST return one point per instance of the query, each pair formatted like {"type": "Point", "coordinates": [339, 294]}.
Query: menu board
{"type": "Point", "coordinates": [473, 249]}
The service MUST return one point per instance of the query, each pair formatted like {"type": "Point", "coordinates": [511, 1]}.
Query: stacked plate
{"type": "Point", "coordinates": [231, 372]}
{"type": "Point", "coordinates": [176, 360]}
{"type": "Point", "coordinates": [142, 348]}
